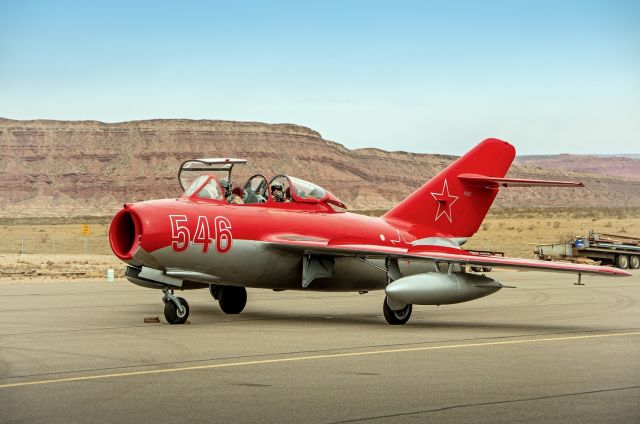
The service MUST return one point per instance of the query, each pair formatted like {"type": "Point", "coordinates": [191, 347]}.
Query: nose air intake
{"type": "Point", "coordinates": [124, 233]}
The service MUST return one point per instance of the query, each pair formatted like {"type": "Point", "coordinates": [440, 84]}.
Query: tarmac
{"type": "Point", "coordinates": [547, 351]}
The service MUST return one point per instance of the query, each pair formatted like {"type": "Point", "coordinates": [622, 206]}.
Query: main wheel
{"type": "Point", "coordinates": [173, 315]}
{"type": "Point", "coordinates": [232, 299]}
{"type": "Point", "coordinates": [622, 261]}
{"type": "Point", "coordinates": [634, 261]}
{"type": "Point", "coordinates": [214, 290]}
{"type": "Point", "coordinates": [398, 317]}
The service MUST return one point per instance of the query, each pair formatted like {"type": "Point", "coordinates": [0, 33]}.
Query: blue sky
{"type": "Point", "coordinates": [421, 76]}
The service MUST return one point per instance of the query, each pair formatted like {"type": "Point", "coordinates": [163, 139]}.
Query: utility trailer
{"type": "Point", "coordinates": [610, 249]}
{"type": "Point", "coordinates": [484, 253]}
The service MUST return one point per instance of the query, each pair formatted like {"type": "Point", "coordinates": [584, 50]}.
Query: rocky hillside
{"type": "Point", "coordinates": [618, 166]}
{"type": "Point", "coordinates": [54, 168]}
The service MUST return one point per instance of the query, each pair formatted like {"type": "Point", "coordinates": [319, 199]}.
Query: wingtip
{"type": "Point", "coordinates": [623, 273]}
{"type": "Point", "coordinates": [616, 272]}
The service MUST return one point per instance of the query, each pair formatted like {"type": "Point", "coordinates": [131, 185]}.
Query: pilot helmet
{"type": "Point", "coordinates": [276, 187]}
{"type": "Point", "coordinates": [224, 183]}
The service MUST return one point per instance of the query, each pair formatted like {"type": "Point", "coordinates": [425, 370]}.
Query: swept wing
{"type": "Point", "coordinates": [299, 243]}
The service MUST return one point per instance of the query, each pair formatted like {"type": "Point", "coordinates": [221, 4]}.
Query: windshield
{"type": "Point", "coordinates": [306, 190]}
{"type": "Point", "coordinates": [195, 185]}
{"type": "Point", "coordinates": [211, 190]}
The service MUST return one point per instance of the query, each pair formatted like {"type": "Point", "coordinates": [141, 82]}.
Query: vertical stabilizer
{"type": "Point", "coordinates": [450, 206]}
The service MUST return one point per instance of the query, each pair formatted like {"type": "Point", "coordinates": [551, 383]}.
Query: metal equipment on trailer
{"type": "Point", "coordinates": [484, 253]}
{"type": "Point", "coordinates": [618, 250]}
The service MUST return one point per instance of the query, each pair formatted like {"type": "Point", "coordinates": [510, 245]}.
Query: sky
{"type": "Point", "coordinates": [420, 76]}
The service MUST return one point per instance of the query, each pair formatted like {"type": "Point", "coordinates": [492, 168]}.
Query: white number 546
{"type": "Point", "coordinates": [181, 236]}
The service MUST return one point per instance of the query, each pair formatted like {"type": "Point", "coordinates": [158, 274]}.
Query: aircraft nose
{"type": "Point", "coordinates": [124, 233]}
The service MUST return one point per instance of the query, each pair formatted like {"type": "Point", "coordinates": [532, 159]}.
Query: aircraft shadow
{"type": "Point", "coordinates": [377, 320]}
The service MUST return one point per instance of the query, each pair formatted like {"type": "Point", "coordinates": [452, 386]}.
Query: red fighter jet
{"type": "Point", "coordinates": [285, 233]}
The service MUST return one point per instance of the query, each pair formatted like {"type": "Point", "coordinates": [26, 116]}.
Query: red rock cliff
{"type": "Point", "coordinates": [91, 168]}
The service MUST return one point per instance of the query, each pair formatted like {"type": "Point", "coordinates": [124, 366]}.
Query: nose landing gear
{"type": "Point", "coordinates": [176, 309]}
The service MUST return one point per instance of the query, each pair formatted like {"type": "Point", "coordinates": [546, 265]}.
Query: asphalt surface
{"type": "Point", "coordinates": [546, 351]}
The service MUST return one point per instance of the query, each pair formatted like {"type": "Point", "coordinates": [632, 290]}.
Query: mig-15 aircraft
{"type": "Point", "coordinates": [285, 233]}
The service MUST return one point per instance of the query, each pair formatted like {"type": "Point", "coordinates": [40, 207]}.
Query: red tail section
{"type": "Point", "coordinates": [450, 206]}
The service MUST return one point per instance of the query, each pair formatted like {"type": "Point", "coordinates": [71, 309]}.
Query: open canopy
{"type": "Point", "coordinates": [192, 168]}
{"type": "Point", "coordinates": [199, 181]}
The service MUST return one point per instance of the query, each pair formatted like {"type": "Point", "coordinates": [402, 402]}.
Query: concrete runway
{"type": "Point", "coordinates": [546, 351]}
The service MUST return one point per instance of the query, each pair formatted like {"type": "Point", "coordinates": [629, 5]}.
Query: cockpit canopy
{"type": "Point", "coordinates": [199, 180]}
{"type": "Point", "coordinates": [191, 169]}
{"type": "Point", "coordinates": [305, 191]}
{"type": "Point", "coordinates": [284, 188]}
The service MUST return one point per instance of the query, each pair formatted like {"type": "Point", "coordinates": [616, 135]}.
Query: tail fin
{"type": "Point", "coordinates": [450, 206]}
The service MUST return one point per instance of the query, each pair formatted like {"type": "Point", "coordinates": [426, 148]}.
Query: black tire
{"type": "Point", "coordinates": [171, 313]}
{"type": "Point", "coordinates": [486, 269]}
{"type": "Point", "coordinates": [232, 299]}
{"type": "Point", "coordinates": [634, 262]}
{"type": "Point", "coordinates": [396, 317]}
{"type": "Point", "coordinates": [622, 261]}
{"type": "Point", "coordinates": [476, 268]}
{"type": "Point", "coordinates": [215, 291]}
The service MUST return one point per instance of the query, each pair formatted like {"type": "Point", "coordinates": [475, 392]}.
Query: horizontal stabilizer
{"type": "Point", "coordinates": [478, 179]}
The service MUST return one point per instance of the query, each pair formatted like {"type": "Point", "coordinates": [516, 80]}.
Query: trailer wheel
{"type": "Point", "coordinates": [634, 261]}
{"type": "Point", "coordinates": [622, 261]}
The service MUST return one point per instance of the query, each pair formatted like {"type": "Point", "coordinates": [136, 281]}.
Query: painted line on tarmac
{"type": "Point", "coordinates": [311, 358]}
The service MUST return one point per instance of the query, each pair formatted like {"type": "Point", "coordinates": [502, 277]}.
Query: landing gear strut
{"type": "Point", "coordinates": [396, 317]}
{"type": "Point", "coordinates": [176, 309]}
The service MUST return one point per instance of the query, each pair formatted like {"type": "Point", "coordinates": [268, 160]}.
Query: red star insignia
{"type": "Point", "coordinates": [445, 201]}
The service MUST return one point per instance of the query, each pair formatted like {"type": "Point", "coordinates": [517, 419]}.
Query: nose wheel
{"type": "Point", "coordinates": [176, 309]}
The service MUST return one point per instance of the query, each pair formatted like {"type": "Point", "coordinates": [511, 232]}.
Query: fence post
{"type": "Point", "coordinates": [22, 244]}
{"type": "Point", "coordinates": [85, 245]}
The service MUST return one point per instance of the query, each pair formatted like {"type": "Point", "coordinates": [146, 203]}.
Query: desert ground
{"type": "Point", "coordinates": [54, 248]}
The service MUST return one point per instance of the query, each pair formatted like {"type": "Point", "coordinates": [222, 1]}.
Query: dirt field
{"type": "Point", "coordinates": [43, 267]}
{"type": "Point", "coordinates": [516, 232]}
{"type": "Point", "coordinates": [55, 248]}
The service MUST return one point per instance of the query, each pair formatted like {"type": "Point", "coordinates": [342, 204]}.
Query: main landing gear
{"type": "Point", "coordinates": [176, 309]}
{"type": "Point", "coordinates": [396, 316]}
{"type": "Point", "coordinates": [232, 299]}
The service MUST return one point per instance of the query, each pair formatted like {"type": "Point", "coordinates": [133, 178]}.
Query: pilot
{"type": "Point", "coordinates": [236, 196]}
{"type": "Point", "coordinates": [277, 193]}
{"type": "Point", "coordinates": [229, 194]}
{"type": "Point", "coordinates": [226, 187]}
